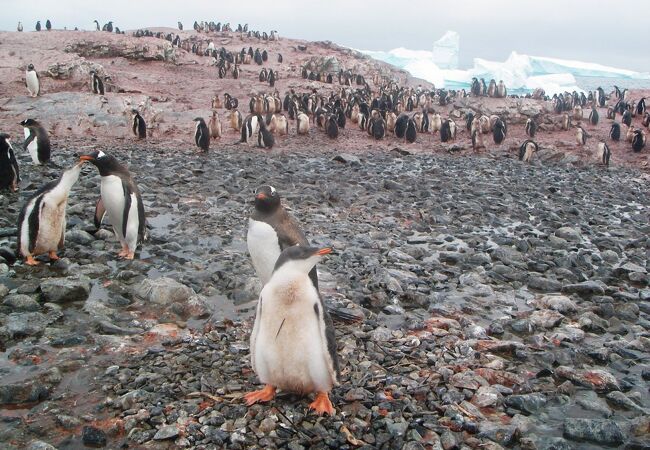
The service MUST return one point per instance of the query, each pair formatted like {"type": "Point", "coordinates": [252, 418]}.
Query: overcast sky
{"type": "Point", "coordinates": [604, 31]}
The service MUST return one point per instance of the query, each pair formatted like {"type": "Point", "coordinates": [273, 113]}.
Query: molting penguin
{"type": "Point", "coordinates": [527, 149]}
{"type": "Point", "coordinates": [202, 134]}
{"type": "Point", "coordinates": [581, 135]}
{"type": "Point", "coordinates": [121, 199]}
{"type": "Point", "coordinates": [293, 344]}
{"type": "Point", "coordinates": [9, 174]}
{"type": "Point", "coordinates": [604, 154]}
{"type": "Point", "coordinates": [302, 123]}
{"type": "Point", "coordinates": [271, 229]}
{"type": "Point", "coordinates": [215, 126]}
{"type": "Point", "coordinates": [615, 132]}
{"type": "Point", "coordinates": [32, 81]}
{"type": "Point", "coordinates": [41, 222]}
{"type": "Point", "coordinates": [36, 141]}
{"type": "Point", "coordinates": [138, 126]}
{"type": "Point", "coordinates": [96, 83]}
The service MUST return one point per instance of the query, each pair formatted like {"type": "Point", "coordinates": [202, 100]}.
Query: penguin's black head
{"type": "Point", "coordinates": [267, 199]}
{"type": "Point", "coordinates": [300, 258]}
{"type": "Point", "coordinates": [198, 119]}
{"type": "Point", "coordinates": [30, 67]}
{"type": "Point", "coordinates": [106, 164]}
{"type": "Point", "coordinates": [29, 123]}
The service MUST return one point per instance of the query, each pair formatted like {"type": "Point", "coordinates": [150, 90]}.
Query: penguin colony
{"type": "Point", "coordinates": [292, 344]}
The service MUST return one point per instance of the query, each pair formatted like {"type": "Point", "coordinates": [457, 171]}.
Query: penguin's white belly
{"type": "Point", "coordinates": [32, 82]}
{"type": "Point", "coordinates": [132, 224]}
{"type": "Point", "coordinates": [50, 226]}
{"type": "Point", "coordinates": [33, 150]}
{"type": "Point", "coordinates": [113, 199]}
{"type": "Point", "coordinates": [290, 348]}
{"type": "Point", "coordinates": [264, 248]}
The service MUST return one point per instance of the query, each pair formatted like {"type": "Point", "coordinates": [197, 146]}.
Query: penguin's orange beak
{"type": "Point", "coordinates": [84, 158]}
{"type": "Point", "coordinates": [261, 196]}
{"type": "Point", "coordinates": [324, 251]}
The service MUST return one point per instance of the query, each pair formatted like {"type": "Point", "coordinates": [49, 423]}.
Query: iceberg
{"type": "Point", "coordinates": [446, 50]}
{"type": "Point", "coordinates": [520, 73]}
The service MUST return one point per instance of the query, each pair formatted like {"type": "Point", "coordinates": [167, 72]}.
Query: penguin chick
{"type": "Point", "coordinates": [292, 344]}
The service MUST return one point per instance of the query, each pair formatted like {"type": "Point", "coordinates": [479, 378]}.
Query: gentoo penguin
{"type": "Point", "coordinates": [638, 141]}
{"type": "Point", "coordinates": [38, 25]}
{"type": "Point", "coordinates": [41, 222]}
{"type": "Point", "coordinates": [445, 131]}
{"type": "Point", "coordinates": [48, 25]}
{"type": "Point", "coordinates": [526, 150]}
{"type": "Point", "coordinates": [630, 133]}
{"type": "Point", "coordinates": [36, 141]}
{"type": "Point", "coordinates": [215, 126]}
{"type": "Point", "coordinates": [577, 112]}
{"type": "Point", "coordinates": [499, 131]}
{"type": "Point", "coordinates": [20, 27]}
{"type": "Point", "coordinates": [280, 58]}
{"type": "Point", "coordinates": [96, 83]}
{"type": "Point", "coordinates": [202, 134]}
{"type": "Point", "coordinates": [236, 120]}
{"type": "Point", "coordinates": [251, 128]}
{"type": "Point", "coordinates": [292, 344]}
{"type": "Point", "coordinates": [121, 199]}
{"type": "Point", "coordinates": [180, 26]}
{"type": "Point", "coordinates": [593, 116]}
{"type": "Point", "coordinates": [640, 107]}
{"type": "Point", "coordinates": [646, 120]}
{"type": "Point", "coordinates": [9, 175]}
{"type": "Point", "coordinates": [477, 139]}
{"type": "Point", "coordinates": [138, 126]}
{"type": "Point", "coordinates": [378, 128]}
{"type": "Point", "coordinates": [531, 128]}
{"type": "Point", "coordinates": [502, 92]}
{"type": "Point", "coordinates": [271, 229]}
{"type": "Point", "coordinates": [566, 121]}
{"type": "Point", "coordinates": [581, 135]}
{"type": "Point", "coordinates": [96, 25]}
{"type": "Point", "coordinates": [410, 134]}
{"type": "Point", "coordinates": [615, 132]}
{"type": "Point", "coordinates": [264, 136]}
{"type": "Point", "coordinates": [32, 81]}
{"type": "Point", "coordinates": [604, 154]}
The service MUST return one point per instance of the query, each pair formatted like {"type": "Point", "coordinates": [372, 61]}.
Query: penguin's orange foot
{"type": "Point", "coordinates": [123, 252]}
{"type": "Point", "coordinates": [322, 404]}
{"type": "Point", "coordinates": [129, 255]}
{"type": "Point", "coordinates": [30, 261]}
{"type": "Point", "coordinates": [53, 256]}
{"type": "Point", "coordinates": [263, 395]}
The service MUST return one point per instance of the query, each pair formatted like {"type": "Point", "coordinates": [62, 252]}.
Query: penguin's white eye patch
{"type": "Point", "coordinates": [101, 154]}
{"type": "Point", "coordinates": [272, 190]}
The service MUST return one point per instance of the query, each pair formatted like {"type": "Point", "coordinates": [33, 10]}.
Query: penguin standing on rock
{"type": "Point", "coordinates": [138, 126]}
{"type": "Point", "coordinates": [32, 81]}
{"type": "Point", "coordinates": [615, 132]}
{"type": "Point", "coordinates": [638, 141]}
{"type": "Point", "coordinates": [581, 136]}
{"type": "Point", "coordinates": [41, 222]}
{"type": "Point", "coordinates": [37, 143]}
{"type": "Point", "coordinates": [121, 199]}
{"type": "Point", "coordinates": [9, 175]}
{"type": "Point", "coordinates": [292, 344]}
{"type": "Point", "coordinates": [527, 149]}
{"type": "Point", "coordinates": [202, 134]}
{"type": "Point", "coordinates": [604, 154]}
{"type": "Point", "coordinates": [96, 83]}
{"type": "Point", "coordinates": [531, 128]}
{"type": "Point", "coordinates": [499, 131]}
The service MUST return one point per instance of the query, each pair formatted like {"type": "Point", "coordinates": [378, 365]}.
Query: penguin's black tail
{"type": "Point", "coordinates": [8, 255]}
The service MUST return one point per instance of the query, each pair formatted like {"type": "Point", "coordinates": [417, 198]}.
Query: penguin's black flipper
{"type": "Point", "coordinates": [344, 315]}
{"type": "Point", "coordinates": [100, 212]}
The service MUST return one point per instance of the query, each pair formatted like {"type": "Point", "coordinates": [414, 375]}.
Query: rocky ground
{"type": "Point", "coordinates": [505, 305]}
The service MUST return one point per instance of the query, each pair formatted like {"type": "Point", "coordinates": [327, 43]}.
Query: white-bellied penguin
{"type": "Point", "coordinates": [32, 81]}
{"type": "Point", "coordinates": [202, 134]}
{"type": "Point", "coordinates": [9, 174]}
{"type": "Point", "coordinates": [604, 154]}
{"type": "Point", "coordinates": [293, 344]}
{"type": "Point", "coordinates": [41, 222]}
{"type": "Point", "coordinates": [121, 199]}
{"type": "Point", "coordinates": [638, 140]}
{"type": "Point", "coordinates": [527, 149]}
{"type": "Point", "coordinates": [96, 83]}
{"type": "Point", "coordinates": [37, 142]}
